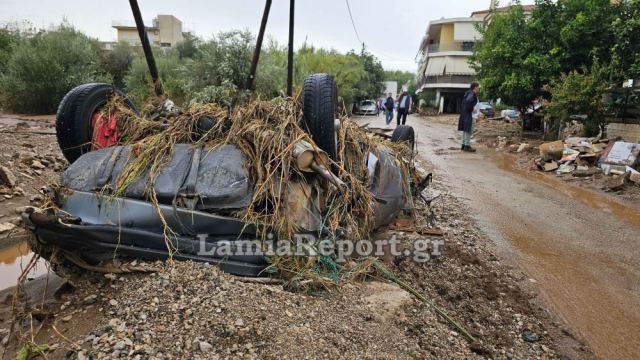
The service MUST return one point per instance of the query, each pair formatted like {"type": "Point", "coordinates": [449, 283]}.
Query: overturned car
{"type": "Point", "coordinates": [182, 184]}
{"type": "Point", "coordinates": [214, 186]}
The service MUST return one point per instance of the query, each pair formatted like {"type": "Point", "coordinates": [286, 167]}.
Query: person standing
{"type": "Point", "coordinates": [389, 104]}
{"type": "Point", "coordinates": [404, 105]}
{"type": "Point", "coordinates": [465, 122]}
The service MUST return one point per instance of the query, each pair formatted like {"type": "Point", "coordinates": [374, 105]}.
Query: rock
{"type": "Point", "coordinates": [522, 147]}
{"type": "Point", "coordinates": [205, 346]}
{"type": "Point", "coordinates": [7, 177]}
{"type": "Point", "coordinates": [21, 209]}
{"type": "Point", "coordinates": [551, 150]}
{"type": "Point", "coordinates": [586, 172]}
{"type": "Point", "coordinates": [113, 302]}
{"type": "Point", "coordinates": [26, 156]}
{"type": "Point", "coordinates": [239, 322]}
{"type": "Point", "coordinates": [120, 345]}
{"type": "Point", "coordinates": [635, 177]}
{"type": "Point", "coordinates": [616, 182]}
{"type": "Point", "coordinates": [550, 166]}
{"type": "Point", "coordinates": [66, 318]}
{"type": "Point", "coordinates": [6, 227]}
{"type": "Point", "coordinates": [91, 299]}
{"type": "Point", "coordinates": [530, 336]}
{"type": "Point", "coordinates": [35, 164]}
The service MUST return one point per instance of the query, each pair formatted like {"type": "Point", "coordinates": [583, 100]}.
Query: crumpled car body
{"type": "Point", "coordinates": [198, 192]}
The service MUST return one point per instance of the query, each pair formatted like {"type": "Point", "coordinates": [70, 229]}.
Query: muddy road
{"type": "Point", "coordinates": [579, 248]}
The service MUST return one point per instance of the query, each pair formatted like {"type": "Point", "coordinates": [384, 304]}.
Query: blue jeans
{"type": "Point", "coordinates": [388, 116]}
{"type": "Point", "coordinates": [466, 135]}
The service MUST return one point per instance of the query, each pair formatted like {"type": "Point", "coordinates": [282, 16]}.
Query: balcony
{"type": "Point", "coordinates": [457, 46]}
{"type": "Point", "coordinates": [449, 79]}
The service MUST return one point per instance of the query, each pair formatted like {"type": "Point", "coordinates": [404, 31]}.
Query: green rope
{"type": "Point", "coordinates": [391, 277]}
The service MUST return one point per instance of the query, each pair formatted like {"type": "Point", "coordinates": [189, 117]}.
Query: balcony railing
{"type": "Point", "coordinates": [449, 79]}
{"type": "Point", "coordinates": [462, 46]}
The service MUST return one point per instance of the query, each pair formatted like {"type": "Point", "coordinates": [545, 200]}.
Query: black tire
{"type": "Point", "coordinates": [73, 119]}
{"type": "Point", "coordinates": [404, 133]}
{"type": "Point", "coordinates": [320, 105]}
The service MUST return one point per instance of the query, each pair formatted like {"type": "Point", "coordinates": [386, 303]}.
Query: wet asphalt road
{"type": "Point", "coordinates": [579, 248]}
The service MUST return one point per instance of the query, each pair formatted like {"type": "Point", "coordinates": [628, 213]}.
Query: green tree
{"type": "Point", "coordinates": [625, 62]}
{"type": "Point", "coordinates": [370, 84]}
{"type": "Point", "coordinates": [401, 77]}
{"type": "Point", "coordinates": [584, 32]}
{"type": "Point", "coordinates": [506, 64]}
{"type": "Point", "coordinates": [138, 81]}
{"type": "Point", "coordinates": [188, 47]}
{"type": "Point", "coordinates": [10, 37]}
{"type": "Point", "coordinates": [117, 62]}
{"type": "Point", "coordinates": [580, 92]}
{"type": "Point", "coordinates": [44, 68]}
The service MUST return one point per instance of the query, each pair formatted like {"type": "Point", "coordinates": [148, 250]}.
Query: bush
{"type": "Point", "coordinates": [44, 68]}
{"type": "Point", "coordinates": [580, 93]}
{"type": "Point", "coordinates": [138, 81]}
{"type": "Point", "coordinates": [9, 39]}
{"type": "Point", "coordinates": [117, 62]}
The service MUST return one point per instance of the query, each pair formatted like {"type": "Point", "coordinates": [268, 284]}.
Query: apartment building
{"type": "Point", "coordinates": [444, 53]}
{"type": "Point", "coordinates": [165, 31]}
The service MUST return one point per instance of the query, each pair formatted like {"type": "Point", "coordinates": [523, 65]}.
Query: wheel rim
{"type": "Point", "coordinates": [104, 129]}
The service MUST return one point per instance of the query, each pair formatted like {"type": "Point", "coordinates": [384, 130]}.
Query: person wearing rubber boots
{"type": "Point", "coordinates": [465, 122]}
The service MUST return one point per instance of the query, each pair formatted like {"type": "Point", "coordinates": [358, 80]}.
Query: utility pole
{"type": "Point", "coordinates": [290, 54]}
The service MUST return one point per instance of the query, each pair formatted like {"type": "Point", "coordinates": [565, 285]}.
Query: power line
{"type": "Point", "coordinates": [353, 22]}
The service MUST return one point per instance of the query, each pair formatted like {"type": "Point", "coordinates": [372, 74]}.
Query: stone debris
{"type": "Point", "coordinates": [4, 227]}
{"type": "Point", "coordinates": [7, 177]}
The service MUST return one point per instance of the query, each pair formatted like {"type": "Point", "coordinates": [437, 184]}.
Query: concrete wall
{"type": "Point", "coordinates": [131, 36]}
{"type": "Point", "coordinates": [447, 42]}
{"type": "Point", "coordinates": [465, 31]}
{"type": "Point", "coordinates": [170, 29]}
{"type": "Point", "coordinates": [629, 132]}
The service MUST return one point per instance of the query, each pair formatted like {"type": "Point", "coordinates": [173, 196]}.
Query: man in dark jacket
{"type": "Point", "coordinates": [389, 104]}
{"type": "Point", "coordinates": [465, 122]}
{"type": "Point", "coordinates": [404, 106]}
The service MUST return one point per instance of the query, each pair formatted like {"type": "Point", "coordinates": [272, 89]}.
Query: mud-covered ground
{"type": "Point", "coordinates": [29, 152]}
{"type": "Point", "coordinates": [188, 310]}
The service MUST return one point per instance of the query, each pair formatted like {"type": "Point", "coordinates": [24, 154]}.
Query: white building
{"type": "Point", "coordinates": [444, 53]}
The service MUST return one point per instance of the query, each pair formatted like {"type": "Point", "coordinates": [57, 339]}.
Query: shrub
{"type": "Point", "coordinates": [580, 93]}
{"type": "Point", "coordinates": [117, 62]}
{"type": "Point", "coordinates": [44, 68]}
{"type": "Point", "coordinates": [138, 81]}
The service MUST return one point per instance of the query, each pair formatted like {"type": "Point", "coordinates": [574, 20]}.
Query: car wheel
{"type": "Point", "coordinates": [404, 133]}
{"type": "Point", "coordinates": [80, 127]}
{"type": "Point", "coordinates": [320, 104]}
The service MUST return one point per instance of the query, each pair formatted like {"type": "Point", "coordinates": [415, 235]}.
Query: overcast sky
{"type": "Point", "coordinates": [391, 29]}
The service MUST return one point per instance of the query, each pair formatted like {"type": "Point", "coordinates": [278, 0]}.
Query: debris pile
{"type": "Point", "coordinates": [585, 157]}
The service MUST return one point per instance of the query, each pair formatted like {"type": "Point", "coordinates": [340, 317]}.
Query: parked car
{"type": "Point", "coordinates": [487, 109]}
{"type": "Point", "coordinates": [366, 107]}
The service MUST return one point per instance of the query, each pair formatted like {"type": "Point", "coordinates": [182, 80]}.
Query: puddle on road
{"type": "Point", "coordinates": [594, 200]}
{"type": "Point", "coordinates": [13, 259]}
